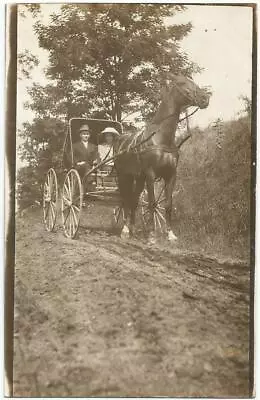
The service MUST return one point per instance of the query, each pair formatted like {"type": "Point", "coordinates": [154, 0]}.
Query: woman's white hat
{"type": "Point", "coordinates": [110, 129]}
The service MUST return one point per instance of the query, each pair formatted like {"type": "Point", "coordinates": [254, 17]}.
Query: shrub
{"type": "Point", "coordinates": [212, 204]}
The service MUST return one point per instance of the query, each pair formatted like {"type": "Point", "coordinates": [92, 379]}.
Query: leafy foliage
{"type": "Point", "coordinates": [121, 53]}
{"type": "Point", "coordinates": [28, 187]}
{"type": "Point", "coordinates": [25, 64]}
{"type": "Point", "coordinates": [41, 149]}
{"type": "Point", "coordinates": [32, 8]}
{"type": "Point", "coordinates": [247, 105]}
{"type": "Point", "coordinates": [42, 142]}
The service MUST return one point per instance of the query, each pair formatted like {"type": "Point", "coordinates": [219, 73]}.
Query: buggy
{"type": "Point", "coordinates": [75, 192]}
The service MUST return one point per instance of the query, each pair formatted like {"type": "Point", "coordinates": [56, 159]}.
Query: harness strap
{"type": "Point", "coordinates": [164, 148]}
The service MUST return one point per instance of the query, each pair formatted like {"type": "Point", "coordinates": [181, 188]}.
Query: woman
{"type": "Point", "coordinates": [105, 149]}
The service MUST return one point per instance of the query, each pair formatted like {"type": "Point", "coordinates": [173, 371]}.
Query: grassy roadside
{"type": "Point", "coordinates": [212, 200]}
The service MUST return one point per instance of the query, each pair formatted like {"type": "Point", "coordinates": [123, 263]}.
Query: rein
{"type": "Point", "coordinates": [133, 145]}
{"type": "Point", "coordinates": [182, 119]}
{"type": "Point", "coordinates": [137, 145]}
{"type": "Point", "coordinates": [166, 148]}
{"type": "Point", "coordinates": [114, 157]}
{"type": "Point", "coordinates": [188, 116]}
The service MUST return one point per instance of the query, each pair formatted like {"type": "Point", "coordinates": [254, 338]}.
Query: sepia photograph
{"type": "Point", "coordinates": [131, 156]}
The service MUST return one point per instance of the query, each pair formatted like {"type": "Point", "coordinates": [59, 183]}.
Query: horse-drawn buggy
{"type": "Point", "coordinates": [85, 181]}
{"type": "Point", "coordinates": [85, 178]}
{"type": "Point", "coordinates": [126, 168]}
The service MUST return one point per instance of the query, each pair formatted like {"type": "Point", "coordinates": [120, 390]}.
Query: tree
{"type": "Point", "coordinates": [118, 54]}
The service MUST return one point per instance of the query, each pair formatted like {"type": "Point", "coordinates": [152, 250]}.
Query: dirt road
{"type": "Point", "coordinates": [98, 316]}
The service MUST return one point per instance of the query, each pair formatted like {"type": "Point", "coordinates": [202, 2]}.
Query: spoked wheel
{"type": "Point", "coordinates": [50, 197]}
{"type": "Point", "coordinates": [71, 204]}
{"type": "Point", "coordinates": [118, 218]}
{"type": "Point", "coordinates": [159, 218]}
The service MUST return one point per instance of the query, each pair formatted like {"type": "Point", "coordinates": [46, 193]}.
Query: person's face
{"type": "Point", "coordinates": [85, 135]}
{"type": "Point", "coordinates": [109, 138]}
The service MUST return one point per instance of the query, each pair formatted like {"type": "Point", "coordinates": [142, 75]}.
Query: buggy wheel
{"type": "Point", "coordinates": [50, 197]}
{"type": "Point", "coordinates": [159, 212]}
{"type": "Point", "coordinates": [71, 203]}
{"type": "Point", "coordinates": [118, 217]}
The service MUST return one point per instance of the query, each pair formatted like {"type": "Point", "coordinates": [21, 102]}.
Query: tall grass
{"type": "Point", "coordinates": [212, 202]}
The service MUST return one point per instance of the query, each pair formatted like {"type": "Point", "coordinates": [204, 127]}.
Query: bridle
{"type": "Point", "coordinates": [187, 97]}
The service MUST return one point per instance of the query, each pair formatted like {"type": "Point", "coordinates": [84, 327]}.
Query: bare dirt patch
{"type": "Point", "coordinates": [98, 316]}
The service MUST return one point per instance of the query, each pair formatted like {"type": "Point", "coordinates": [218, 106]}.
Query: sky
{"type": "Point", "coordinates": [220, 42]}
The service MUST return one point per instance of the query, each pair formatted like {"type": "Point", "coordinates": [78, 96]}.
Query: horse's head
{"type": "Point", "coordinates": [184, 92]}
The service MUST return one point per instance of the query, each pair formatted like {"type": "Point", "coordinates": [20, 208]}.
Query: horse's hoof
{"type": "Point", "coordinates": [151, 241]}
{"type": "Point", "coordinates": [172, 237]}
{"type": "Point", "coordinates": [125, 234]}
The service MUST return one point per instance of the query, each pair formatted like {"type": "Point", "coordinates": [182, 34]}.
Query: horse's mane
{"type": "Point", "coordinates": [128, 142]}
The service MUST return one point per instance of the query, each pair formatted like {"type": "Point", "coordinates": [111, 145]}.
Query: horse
{"type": "Point", "coordinates": [142, 158]}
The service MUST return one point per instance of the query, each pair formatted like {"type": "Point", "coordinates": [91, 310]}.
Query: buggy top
{"type": "Point", "coordinates": [96, 126]}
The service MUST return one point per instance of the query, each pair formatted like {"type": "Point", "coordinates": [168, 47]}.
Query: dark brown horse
{"type": "Point", "coordinates": [157, 156]}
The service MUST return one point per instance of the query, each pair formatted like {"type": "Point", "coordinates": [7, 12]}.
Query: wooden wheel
{"type": "Point", "coordinates": [71, 203]}
{"type": "Point", "coordinates": [159, 212]}
{"type": "Point", "coordinates": [50, 197]}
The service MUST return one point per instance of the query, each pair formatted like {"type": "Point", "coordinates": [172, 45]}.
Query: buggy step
{"type": "Point", "coordinates": [107, 188]}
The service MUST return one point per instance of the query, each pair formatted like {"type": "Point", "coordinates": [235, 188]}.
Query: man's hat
{"type": "Point", "coordinates": [110, 129]}
{"type": "Point", "coordinates": [84, 128]}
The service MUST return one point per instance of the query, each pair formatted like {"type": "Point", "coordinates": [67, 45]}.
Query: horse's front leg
{"type": "Point", "coordinates": [169, 186]}
{"type": "Point", "coordinates": [138, 188]}
{"type": "Point", "coordinates": [125, 233]}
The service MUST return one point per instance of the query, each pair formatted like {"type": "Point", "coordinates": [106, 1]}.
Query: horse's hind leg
{"type": "Point", "coordinates": [125, 185]}
{"type": "Point", "coordinates": [151, 205]}
{"type": "Point", "coordinates": [169, 186]}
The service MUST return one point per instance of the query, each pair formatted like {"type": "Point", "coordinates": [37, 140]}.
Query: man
{"type": "Point", "coordinates": [84, 152]}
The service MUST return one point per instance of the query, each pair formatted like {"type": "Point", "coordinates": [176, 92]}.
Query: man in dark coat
{"type": "Point", "coordinates": [84, 152]}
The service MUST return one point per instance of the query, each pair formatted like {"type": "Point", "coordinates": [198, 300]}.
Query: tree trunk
{"type": "Point", "coordinates": [118, 111]}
